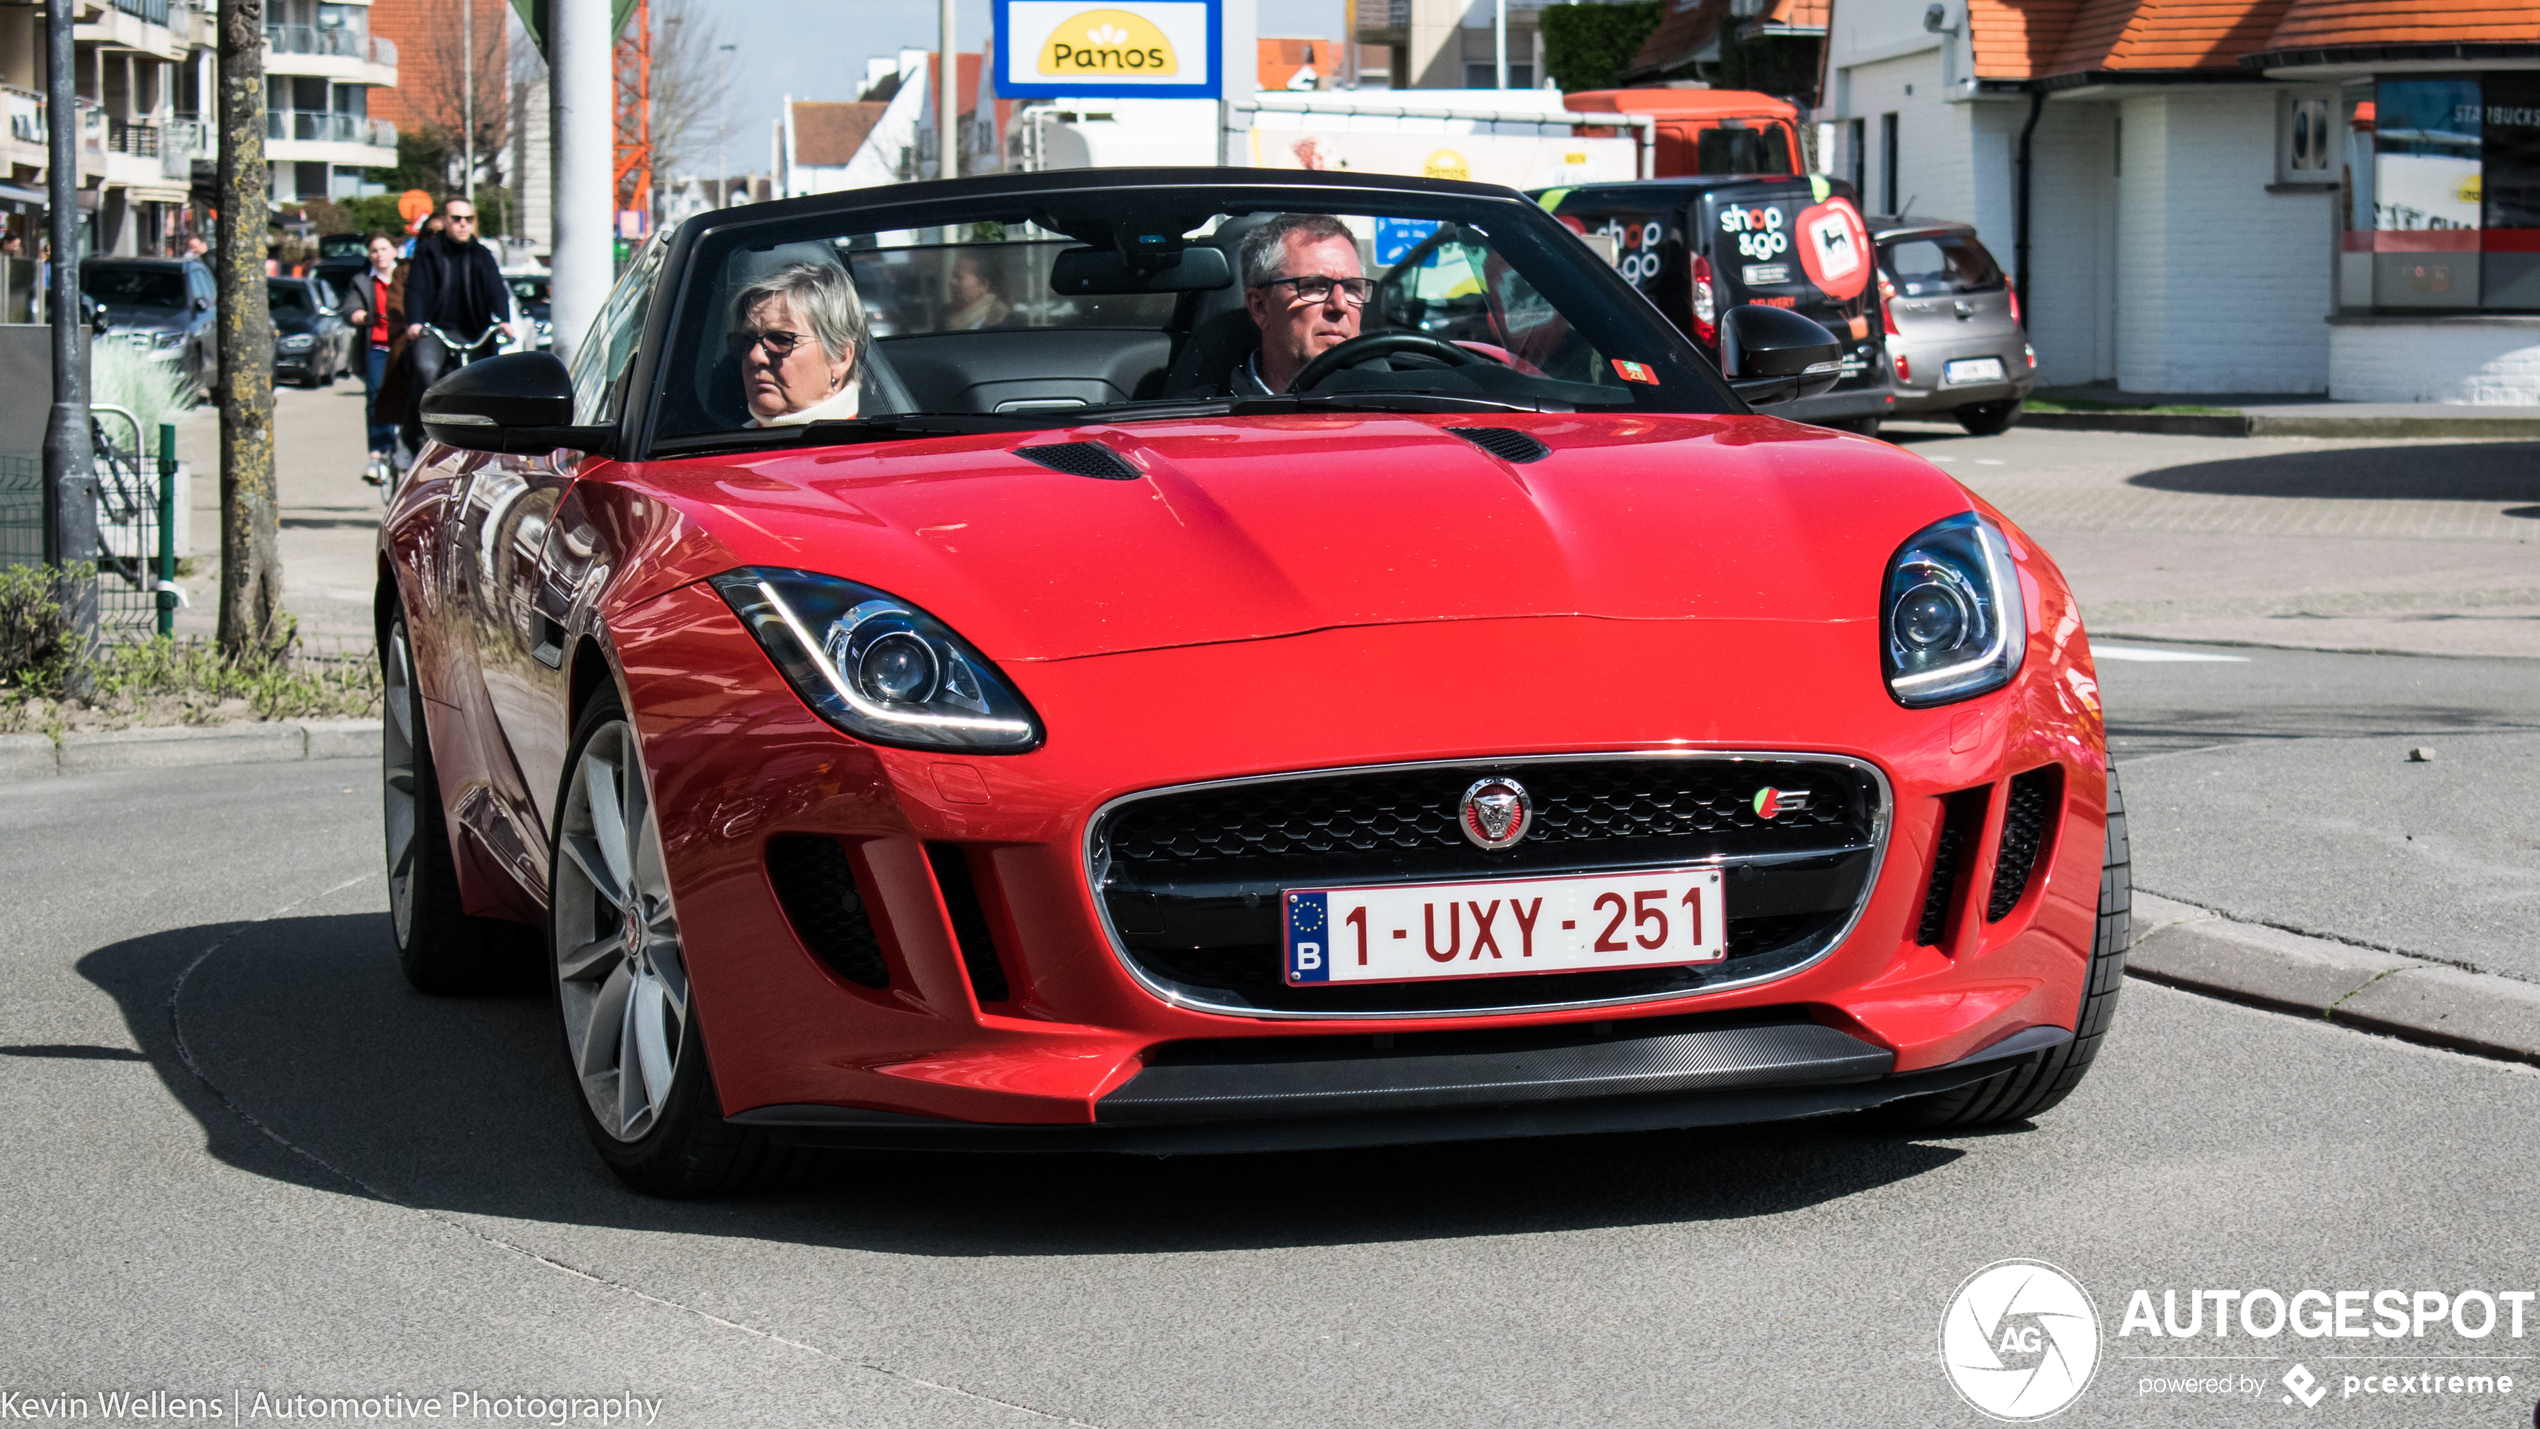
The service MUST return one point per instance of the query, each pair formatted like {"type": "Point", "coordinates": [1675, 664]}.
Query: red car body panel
{"type": "Point", "coordinates": [1273, 595]}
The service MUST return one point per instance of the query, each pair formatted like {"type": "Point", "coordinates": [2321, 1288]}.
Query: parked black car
{"type": "Point", "coordinates": [162, 306]}
{"type": "Point", "coordinates": [340, 257]}
{"type": "Point", "coordinates": [310, 343]}
{"type": "Point", "coordinates": [1697, 247]}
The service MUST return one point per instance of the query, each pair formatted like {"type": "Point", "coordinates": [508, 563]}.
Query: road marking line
{"type": "Point", "coordinates": [2163, 657]}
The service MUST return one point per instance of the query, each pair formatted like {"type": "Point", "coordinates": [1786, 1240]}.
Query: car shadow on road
{"type": "Point", "coordinates": [2418, 471]}
{"type": "Point", "coordinates": [304, 1056]}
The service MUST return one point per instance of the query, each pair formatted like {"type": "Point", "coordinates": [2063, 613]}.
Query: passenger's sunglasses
{"type": "Point", "coordinates": [1316, 288]}
{"type": "Point", "coordinates": [779, 343]}
{"type": "Point", "coordinates": [462, 218]}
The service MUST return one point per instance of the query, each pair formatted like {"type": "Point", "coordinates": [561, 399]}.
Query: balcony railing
{"type": "Point", "coordinates": [154, 11]}
{"type": "Point", "coordinates": [341, 41]}
{"type": "Point", "coordinates": [26, 115]}
{"type": "Point", "coordinates": [123, 136]}
{"type": "Point", "coordinates": [181, 142]}
{"type": "Point", "coordinates": [326, 127]}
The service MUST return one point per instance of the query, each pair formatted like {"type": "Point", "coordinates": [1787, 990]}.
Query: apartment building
{"type": "Point", "coordinates": [322, 64]}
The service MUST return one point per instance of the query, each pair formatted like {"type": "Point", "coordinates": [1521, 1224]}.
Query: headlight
{"type": "Point", "coordinates": [169, 339]}
{"type": "Point", "coordinates": [878, 667]}
{"type": "Point", "coordinates": [1950, 624]}
{"type": "Point", "coordinates": [296, 342]}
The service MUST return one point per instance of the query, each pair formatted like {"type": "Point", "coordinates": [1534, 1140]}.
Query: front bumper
{"type": "Point", "coordinates": [1325, 1098]}
{"type": "Point", "coordinates": [983, 985]}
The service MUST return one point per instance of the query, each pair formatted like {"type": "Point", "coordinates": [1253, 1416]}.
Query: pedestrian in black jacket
{"type": "Point", "coordinates": [454, 284]}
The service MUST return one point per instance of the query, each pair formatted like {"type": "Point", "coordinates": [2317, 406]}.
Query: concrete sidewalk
{"type": "Point", "coordinates": [329, 516]}
{"type": "Point", "coordinates": [2264, 414]}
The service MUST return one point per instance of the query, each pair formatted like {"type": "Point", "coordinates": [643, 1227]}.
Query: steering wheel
{"type": "Point", "coordinates": [1381, 344]}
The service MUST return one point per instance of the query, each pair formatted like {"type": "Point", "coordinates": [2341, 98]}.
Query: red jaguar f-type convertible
{"type": "Point", "coordinates": [1167, 660]}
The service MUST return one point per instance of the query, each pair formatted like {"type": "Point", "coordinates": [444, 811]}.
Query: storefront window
{"type": "Point", "coordinates": [2442, 194]}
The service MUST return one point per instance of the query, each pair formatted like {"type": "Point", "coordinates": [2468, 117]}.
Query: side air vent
{"type": "Point", "coordinates": [1082, 459]}
{"type": "Point", "coordinates": [2026, 816]}
{"type": "Point", "coordinates": [1961, 823]}
{"type": "Point", "coordinates": [817, 890]}
{"type": "Point", "coordinates": [969, 922]}
{"type": "Point", "coordinates": [1505, 443]}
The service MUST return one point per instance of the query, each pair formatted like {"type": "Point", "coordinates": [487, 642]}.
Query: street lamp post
{"type": "Point", "coordinates": [722, 164]}
{"type": "Point", "coordinates": [70, 475]}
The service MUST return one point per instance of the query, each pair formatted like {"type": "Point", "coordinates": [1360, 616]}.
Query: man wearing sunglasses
{"type": "Point", "coordinates": [1305, 290]}
{"type": "Point", "coordinates": [454, 284]}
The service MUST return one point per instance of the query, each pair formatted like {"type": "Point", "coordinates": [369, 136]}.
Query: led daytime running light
{"type": "Point", "coordinates": [846, 690]}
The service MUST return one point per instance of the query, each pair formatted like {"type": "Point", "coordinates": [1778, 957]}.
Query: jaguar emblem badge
{"type": "Point", "coordinates": [1495, 813]}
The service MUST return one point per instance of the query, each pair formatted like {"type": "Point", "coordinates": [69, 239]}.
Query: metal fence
{"type": "Point", "coordinates": [136, 524]}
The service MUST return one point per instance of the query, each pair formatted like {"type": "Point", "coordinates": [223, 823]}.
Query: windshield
{"type": "Point", "coordinates": [126, 287]}
{"type": "Point", "coordinates": [1947, 263]}
{"type": "Point", "coordinates": [1054, 317]}
{"type": "Point", "coordinates": [289, 298]}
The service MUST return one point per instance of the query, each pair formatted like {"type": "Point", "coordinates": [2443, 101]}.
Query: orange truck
{"type": "Point", "coordinates": [1707, 131]}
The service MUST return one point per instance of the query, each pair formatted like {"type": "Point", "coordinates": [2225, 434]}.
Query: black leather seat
{"type": "Point", "coordinates": [1222, 333]}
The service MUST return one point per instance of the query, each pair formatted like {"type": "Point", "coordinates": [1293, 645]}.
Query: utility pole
{"type": "Point", "coordinates": [1499, 41]}
{"type": "Point", "coordinates": [467, 101]}
{"type": "Point", "coordinates": [70, 470]}
{"type": "Point", "coordinates": [251, 616]}
{"type": "Point", "coordinates": [722, 141]}
{"type": "Point", "coordinates": [578, 115]}
{"type": "Point", "coordinates": [947, 75]}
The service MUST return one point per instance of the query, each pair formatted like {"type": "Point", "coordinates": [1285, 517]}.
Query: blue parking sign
{"type": "Point", "coordinates": [1396, 237]}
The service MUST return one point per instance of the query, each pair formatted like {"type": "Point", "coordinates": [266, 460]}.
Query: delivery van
{"type": "Point", "coordinates": [1698, 246]}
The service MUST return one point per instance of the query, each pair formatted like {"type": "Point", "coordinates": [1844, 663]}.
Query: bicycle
{"type": "Point", "coordinates": [476, 349]}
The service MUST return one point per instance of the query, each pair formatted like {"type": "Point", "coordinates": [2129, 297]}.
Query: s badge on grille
{"type": "Point", "coordinates": [1771, 802]}
{"type": "Point", "coordinates": [1495, 813]}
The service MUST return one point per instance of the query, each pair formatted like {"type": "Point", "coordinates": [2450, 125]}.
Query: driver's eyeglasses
{"type": "Point", "coordinates": [779, 343]}
{"type": "Point", "coordinates": [1316, 288]}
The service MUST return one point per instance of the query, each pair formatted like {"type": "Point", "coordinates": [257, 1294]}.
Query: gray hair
{"type": "Point", "coordinates": [1266, 247]}
{"type": "Point", "coordinates": [826, 296]}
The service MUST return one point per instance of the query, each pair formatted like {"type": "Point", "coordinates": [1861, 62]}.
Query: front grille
{"type": "Point", "coordinates": [1192, 878]}
{"type": "Point", "coordinates": [817, 890]}
{"type": "Point", "coordinates": [2026, 814]}
{"type": "Point", "coordinates": [1961, 824]}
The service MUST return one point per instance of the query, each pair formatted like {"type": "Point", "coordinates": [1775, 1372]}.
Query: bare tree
{"type": "Point", "coordinates": [692, 80]}
{"type": "Point", "coordinates": [432, 82]}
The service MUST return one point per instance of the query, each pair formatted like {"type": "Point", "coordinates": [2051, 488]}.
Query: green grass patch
{"type": "Point", "coordinates": [2076, 404]}
{"type": "Point", "coordinates": [48, 686]}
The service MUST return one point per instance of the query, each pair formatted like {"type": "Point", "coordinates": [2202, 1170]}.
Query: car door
{"type": "Point", "coordinates": [528, 583]}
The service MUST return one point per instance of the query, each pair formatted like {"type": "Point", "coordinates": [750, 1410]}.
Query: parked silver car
{"type": "Point", "coordinates": [1954, 339]}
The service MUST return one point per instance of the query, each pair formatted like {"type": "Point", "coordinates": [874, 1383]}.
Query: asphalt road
{"type": "Point", "coordinates": [2278, 786]}
{"type": "Point", "coordinates": [245, 1158]}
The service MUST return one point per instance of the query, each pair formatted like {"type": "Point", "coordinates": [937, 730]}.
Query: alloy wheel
{"type": "Point", "coordinates": [397, 779]}
{"type": "Point", "coordinates": [620, 981]}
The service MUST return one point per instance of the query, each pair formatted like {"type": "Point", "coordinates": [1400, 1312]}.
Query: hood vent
{"type": "Point", "coordinates": [1082, 459]}
{"type": "Point", "coordinates": [1507, 444]}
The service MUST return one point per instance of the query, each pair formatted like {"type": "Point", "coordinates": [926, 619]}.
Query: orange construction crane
{"type": "Point", "coordinates": [633, 166]}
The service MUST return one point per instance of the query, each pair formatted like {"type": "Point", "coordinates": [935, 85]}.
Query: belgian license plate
{"type": "Point", "coordinates": [1411, 932]}
{"type": "Point", "coordinates": [1972, 369]}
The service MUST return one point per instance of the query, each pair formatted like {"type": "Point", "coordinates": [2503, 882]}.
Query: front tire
{"type": "Point", "coordinates": [443, 950]}
{"type": "Point", "coordinates": [2034, 1084]}
{"type": "Point", "coordinates": [620, 977]}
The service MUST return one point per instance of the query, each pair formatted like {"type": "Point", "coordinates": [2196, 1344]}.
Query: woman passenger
{"type": "Point", "coordinates": [798, 332]}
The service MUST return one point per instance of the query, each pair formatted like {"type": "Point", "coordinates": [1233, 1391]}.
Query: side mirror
{"type": "Point", "coordinates": [1773, 354]}
{"type": "Point", "coordinates": [97, 320]}
{"type": "Point", "coordinates": [520, 402]}
{"type": "Point", "coordinates": [202, 304]}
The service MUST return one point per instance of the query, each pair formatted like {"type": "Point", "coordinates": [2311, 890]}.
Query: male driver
{"type": "Point", "coordinates": [454, 284]}
{"type": "Point", "coordinates": [1304, 287]}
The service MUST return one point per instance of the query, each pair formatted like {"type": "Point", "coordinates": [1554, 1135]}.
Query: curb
{"type": "Point", "coordinates": [2365, 988]}
{"type": "Point", "coordinates": [36, 756]}
{"type": "Point", "coordinates": [2258, 424]}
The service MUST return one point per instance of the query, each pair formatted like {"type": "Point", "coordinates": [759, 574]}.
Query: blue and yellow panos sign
{"type": "Point", "coordinates": [1155, 49]}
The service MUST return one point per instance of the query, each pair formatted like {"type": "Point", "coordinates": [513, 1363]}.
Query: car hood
{"type": "Point", "coordinates": [146, 319]}
{"type": "Point", "coordinates": [1253, 528]}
